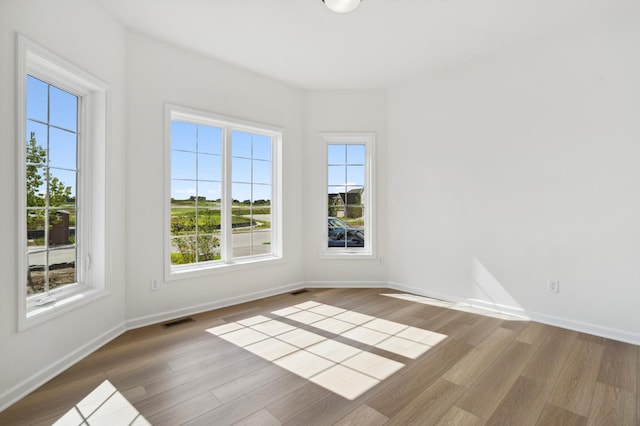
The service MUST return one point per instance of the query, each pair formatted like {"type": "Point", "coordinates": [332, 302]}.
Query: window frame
{"type": "Point", "coordinates": [92, 241]}
{"type": "Point", "coordinates": [350, 138]}
{"type": "Point", "coordinates": [228, 125]}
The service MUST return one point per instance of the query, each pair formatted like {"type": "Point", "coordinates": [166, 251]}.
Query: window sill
{"type": "Point", "coordinates": [65, 302]}
{"type": "Point", "coordinates": [194, 271]}
{"type": "Point", "coordinates": [347, 255]}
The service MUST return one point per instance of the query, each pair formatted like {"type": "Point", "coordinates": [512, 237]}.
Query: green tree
{"type": "Point", "coordinates": [36, 177]}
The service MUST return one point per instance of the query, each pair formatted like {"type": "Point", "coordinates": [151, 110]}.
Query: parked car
{"type": "Point", "coordinates": [343, 235]}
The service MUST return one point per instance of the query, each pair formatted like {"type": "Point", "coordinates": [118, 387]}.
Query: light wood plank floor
{"type": "Point", "coordinates": [346, 357]}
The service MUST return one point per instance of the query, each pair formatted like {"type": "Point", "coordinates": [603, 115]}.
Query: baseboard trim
{"type": "Point", "coordinates": [22, 389]}
{"type": "Point", "coordinates": [579, 326]}
{"type": "Point", "coordinates": [346, 284]}
{"type": "Point", "coordinates": [210, 306]}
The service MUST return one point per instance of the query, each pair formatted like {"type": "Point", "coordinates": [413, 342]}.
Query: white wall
{"type": "Point", "coordinates": [524, 168]}
{"type": "Point", "coordinates": [343, 111]}
{"type": "Point", "coordinates": [159, 73]}
{"type": "Point", "coordinates": [94, 43]}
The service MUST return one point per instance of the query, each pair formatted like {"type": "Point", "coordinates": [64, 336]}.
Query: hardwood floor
{"type": "Point", "coordinates": [345, 357]}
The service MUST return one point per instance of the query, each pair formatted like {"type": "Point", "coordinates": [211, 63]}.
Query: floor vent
{"type": "Point", "coordinates": [297, 292]}
{"type": "Point", "coordinates": [176, 322]}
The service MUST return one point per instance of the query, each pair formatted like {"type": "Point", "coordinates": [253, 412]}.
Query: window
{"type": "Point", "coordinates": [222, 192]}
{"type": "Point", "coordinates": [348, 179]}
{"type": "Point", "coordinates": [51, 176]}
{"type": "Point", "coordinates": [62, 176]}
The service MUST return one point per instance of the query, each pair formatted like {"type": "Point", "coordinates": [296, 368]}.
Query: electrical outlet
{"type": "Point", "coordinates": [155, 285]}
{"type": "Point", "coordinates": [553, 286]}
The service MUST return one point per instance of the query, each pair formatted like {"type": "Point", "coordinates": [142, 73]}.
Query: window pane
{"type": "Point", "coordinates": [183, 136]}
{"type": "Point", "coordinates": [63, 110]}
{"type": "Point", "coordinates": [36, 276]}
{"type": "Point", "coordinates": [336, 232]}
{"type": "Point", "coordinates": [183, 221]}
{"type": "Point", "coordinates": [336, 201]}
{"type": "Point", "coordinates": [355, 176]}
{"type": "Point", "coordinates": [354, 210]}
{"type": "Point", "coordinates": [62, 149]}
{"type": "Point", "coordinates": [37, 142]}
{"type": "Point", "coordinates": [62, 267]}
{"type": "Point", "coordinates": [208, 240]}
{"type": "Point", "coordinates": [36, 186]}
{"type": "Point", "coordinates": [355, 154]}
{"type": "Point", "coordinates": [262, 147]}
{"type": "Point", "coordinates": [37, 99]}
{"type": "Point", "coordinates": [262, 193]}
{"type": "Point", "coordinates": [209, 167]}
{"type": "Point", "coordinates": [183, 165]}
{"type": "Point", "coordinates": [337, 175]}
{"type": "Point", "coordinates": [242, 220]}
{"type": "Point", "coordinates": [241, 170]}
{"type": "Point", "coordinates": [209, 140]}
{"type": "Point", "coordinates": [337, 154]}
{"type": "Point", "coordinates": [209, 193]}
{"type": "Point", "coordinates": [35, 230]}
{"type": "Point", "coordinates": [208, 220]}
{"type": "Point", "coordinates": [261, 243]}
{"type": "Point", "coordinates": [60, 227]}
{"type": "Point", "coordinates": [208, 247]}
{"type": "Point", "coordinates": [261, 171]}
{"type": "Point", "coordinates": [60, 270]}
{"type": "Point", "coordinates": [241, 193]}
{"type": "Point", "coordinates": [62, 187]}
{"type": "Point", "coordinates": [183, 250]}
{"type": "Point", "coordinates": [241, 144]}
{"type": "Point", "coordinates": [182, 190]}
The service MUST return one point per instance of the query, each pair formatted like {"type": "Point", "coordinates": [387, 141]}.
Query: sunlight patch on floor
{"type": "Point", "coordinates": [103, 406]}
{"type": "Point", "coordinates": [339, 367]}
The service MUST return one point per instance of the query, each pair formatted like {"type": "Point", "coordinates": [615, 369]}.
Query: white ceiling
{"type": "Point", "coordinates": [302, 43]}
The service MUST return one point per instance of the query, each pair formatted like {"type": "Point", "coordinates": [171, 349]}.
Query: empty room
{"type": "Point", "coordinates": [320, 212]}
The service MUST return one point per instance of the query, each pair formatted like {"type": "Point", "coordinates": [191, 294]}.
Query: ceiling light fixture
{"type": "Point", "coordinates": [341, 6]}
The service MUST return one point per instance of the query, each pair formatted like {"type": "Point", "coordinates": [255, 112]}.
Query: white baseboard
{"type": "Point", "coordinates": [210, 306]}
{"type": "Point", "coordinates": [15, 393]}
{"type": "Point", "coordinates": [583, 327]}
{"type": "Point", "coordinates": [346, 284]}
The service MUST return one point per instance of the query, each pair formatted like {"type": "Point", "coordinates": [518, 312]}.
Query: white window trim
{"type": "Point", "coordinates": [176, 112]}
{"type": "Point", "coordinates": [346, 138]}
{"type": "Point", "coordinates": [92, 190]}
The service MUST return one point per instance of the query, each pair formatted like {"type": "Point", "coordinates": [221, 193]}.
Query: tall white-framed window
{"type": "Point", "coordinates": [62, 239]}
{"type": "Point", "coordinates": [222, 186]}
{"type": "Point", "coordinates": [348, 185]}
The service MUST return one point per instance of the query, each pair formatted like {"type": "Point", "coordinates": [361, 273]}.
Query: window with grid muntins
{"type": "Point", "coordinates": [51, 181]}
{"type": "Point", "coordinates": [348, 177]}
{"type": "Point", "coordinates": [63, 189]}
{"type": "Point", "coordinates": [222, 205]}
